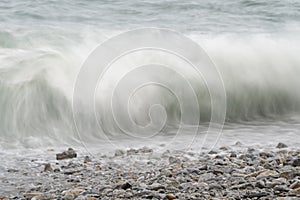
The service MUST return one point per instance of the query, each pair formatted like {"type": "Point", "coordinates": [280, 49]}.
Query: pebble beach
{"type": "Point", "coordinates": [229, 172]}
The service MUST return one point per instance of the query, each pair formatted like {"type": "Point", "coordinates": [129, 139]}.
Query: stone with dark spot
{"type": "Point", "coordinates": [70, 153]}
{"type": "Point", "coordinates": [126, 186]}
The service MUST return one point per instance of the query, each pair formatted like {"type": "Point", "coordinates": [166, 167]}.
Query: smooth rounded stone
{"type": "Point", "coordinates": [73, 192]}
{"type": "Point", "coordinates": [70, 153]}
{"type": "Point", "coordinates": [260, 184]}
{"type": "Point", "coordinates": [281, 145]}
{"type": "Point", "coordinates": [203, 167]}
{"type": "Point", "coordinates": [119, 152]}
{"type": "Point", "coordinates": [296, 162]}
{"type": "Point", "coordinates": [126, 186]}
{"type": "Point", "coordinates": [156, 186]}
{"type": "Point", "coordinates": [141, 178]}
{"type": "Point", "coordinates": [170, 196]}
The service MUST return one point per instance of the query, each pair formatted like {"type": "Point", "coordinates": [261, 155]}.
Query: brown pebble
{"type": "Point", "coordinates": [170, 196]}
{"type": "Point", "coordinates": [33, 194]}
{"type": "Point", "coordinates": [48, 168]}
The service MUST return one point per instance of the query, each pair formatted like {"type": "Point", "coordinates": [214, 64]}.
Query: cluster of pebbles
{"type": "Point", "coordinates": [224, 173]}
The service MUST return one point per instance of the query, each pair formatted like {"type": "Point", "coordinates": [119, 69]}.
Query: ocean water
{"type": "Point", "coordinates": [255, 45]}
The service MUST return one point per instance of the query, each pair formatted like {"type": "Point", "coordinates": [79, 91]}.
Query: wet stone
{"type": "Point", "coordinates": [119, 152]}
{"type": "Point", "coordinates": [70, 153]}
{"type": "Point", "coordinates": [296, 162]}
{"type": "Point", "coordinates": [281, 145]}
{"type": "Point", "coordinates": [126, 186]}
{"type": "Point", "coordinates": [170, 196]}
{"type": "Point", "coordinates": [212, 152]}
{"type": "Point", "coordinates": [87, 159]}
{"type": "Point", "coordinates": [48, 168]}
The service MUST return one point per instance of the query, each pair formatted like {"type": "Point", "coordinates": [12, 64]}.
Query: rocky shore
{"type": "Point", "coordinates": [231, 172]}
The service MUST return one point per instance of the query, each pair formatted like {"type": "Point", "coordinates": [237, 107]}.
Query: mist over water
{"type": "Point", "coordinates": [254, 44]}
